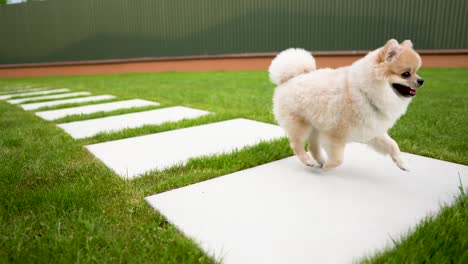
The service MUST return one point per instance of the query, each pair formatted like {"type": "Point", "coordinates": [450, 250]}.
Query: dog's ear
{"type": "Point", "coordinates": [407, 43]}
{"type": "Point", "coordinates": [389, 51]}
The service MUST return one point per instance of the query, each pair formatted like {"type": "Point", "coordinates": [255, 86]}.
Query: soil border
{"type": "Point", "coordinates": [224, 62]}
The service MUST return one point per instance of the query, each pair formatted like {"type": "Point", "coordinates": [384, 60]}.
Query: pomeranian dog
{"type": "Point", "coordinates": [327, 108]}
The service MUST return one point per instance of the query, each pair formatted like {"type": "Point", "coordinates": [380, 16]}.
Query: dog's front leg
{"type": "Point", "coordinates": [386, 145]}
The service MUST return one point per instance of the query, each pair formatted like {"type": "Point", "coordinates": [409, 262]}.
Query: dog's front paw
{"type": "Point", "coordinates": [401, 163]}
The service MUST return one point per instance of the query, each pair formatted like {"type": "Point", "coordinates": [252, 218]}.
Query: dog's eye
{"type": "Point", "coordinates": [406, 74]}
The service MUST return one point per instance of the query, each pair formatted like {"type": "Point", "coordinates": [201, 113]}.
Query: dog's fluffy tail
{"type": "Point", "coordinates": [289, 64]}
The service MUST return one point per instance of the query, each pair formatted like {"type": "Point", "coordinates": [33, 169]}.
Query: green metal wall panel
{"type": "Point", "coordinates": [61, 30]}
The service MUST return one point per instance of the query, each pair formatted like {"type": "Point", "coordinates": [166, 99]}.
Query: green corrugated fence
{"type": "Point", "coordinates": [65, 30]}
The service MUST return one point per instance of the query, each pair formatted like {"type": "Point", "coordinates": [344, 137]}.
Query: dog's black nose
{"type": "Point", "coordinates": [420, 82]}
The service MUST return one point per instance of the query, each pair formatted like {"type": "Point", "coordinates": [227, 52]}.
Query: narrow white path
{"type": "Point", "coordinates": [35, 93]}
{"type": "Point", "coordinates": [133, 156]}
{"type": "Point", "coordinates": [89, 128]}
{"type": "Point", "coordinates": [89, 109]}
{"type": "Point", "coordinates": [56, 96]}
{"type": "Point", "coordinates": [22, 90]}
{"type": "Point", "coordinates": [285, 212]}
{"type": "Point", "coordinates": [34, 106]}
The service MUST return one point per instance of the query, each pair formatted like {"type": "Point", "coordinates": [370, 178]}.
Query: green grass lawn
{"type": "Point", "coordinates": [60, 204]}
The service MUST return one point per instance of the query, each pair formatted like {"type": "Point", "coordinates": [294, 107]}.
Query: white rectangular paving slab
{"type": "Point", "coordinates": [56, 96]}
{"type": "Point", "coordinates": [133, 156]}
{"type": "Point", "coordinates": [21, 90]}
{"type": "Point", "coordinates": [89, 128]}
{"type": "Point", "coordinates": [89, 109]}
{"type": "Point", "coordinates": [34, 93]}
{"type": "Point", "coordinates": [285, 212]}
{"type": "Point", "coordinates": [34, 106]}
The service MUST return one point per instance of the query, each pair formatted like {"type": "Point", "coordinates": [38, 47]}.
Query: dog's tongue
{"type": "Point", "coordinates": [409, 91]}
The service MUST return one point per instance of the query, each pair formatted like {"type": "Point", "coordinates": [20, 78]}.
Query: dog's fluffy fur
{"type": "Point", "coordinates": [330, 107]}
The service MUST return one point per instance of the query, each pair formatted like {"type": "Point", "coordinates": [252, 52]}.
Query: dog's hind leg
{"type": "Point", "coordinates": [298, 131]}
{"type": "Point", "coordinates": [335, 151]}
{"type": "Point", "coordinates": [314, 147]}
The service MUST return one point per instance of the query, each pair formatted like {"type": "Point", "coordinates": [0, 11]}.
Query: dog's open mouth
{"type": "Point", "coordinates": [404, 90]}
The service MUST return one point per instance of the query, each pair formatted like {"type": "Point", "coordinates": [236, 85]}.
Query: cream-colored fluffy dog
{"type": "Point", "coordinates": [330, 107]}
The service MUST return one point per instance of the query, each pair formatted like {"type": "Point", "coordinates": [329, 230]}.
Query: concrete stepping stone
{"type": "Point", "coordinates": [56, 96]}
{"type": "Point", "coordinates": [89, 128]}
{"type": "Point", "coordinates": [89, 109]}
{"type": "Point", "coordinates": [34, 106]}
{"type": "Point", "coordinates": [134, 156]}
{"type": "Point", "coordinates": [21, 90]}
{"type": "Point", "coordinates": [34, 93]}
{"type": "Point", "coordinates": [285, 212]}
